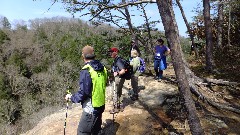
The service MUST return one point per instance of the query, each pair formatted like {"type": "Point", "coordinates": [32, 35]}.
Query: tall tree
{"type": "Point", "coordinates": [191, 34]}
{"type": "Point", "coordinates": [5, 23]}
{"type": "Point", "coordinates": [172, 34]}
{"type": "Point", "coordinates": [209, 35]}
{"type": "Point", "coordinates": [128, 18]}
{"type": "Point", "coordinates": [229, 24]}
{"type": "Point", "coordinates": [150, 45]}
{"type": "Point", "coordinates": [220, 24]}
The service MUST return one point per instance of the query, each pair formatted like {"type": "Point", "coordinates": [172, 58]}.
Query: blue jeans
{"type": "Point", "coordinates": [157, 68]}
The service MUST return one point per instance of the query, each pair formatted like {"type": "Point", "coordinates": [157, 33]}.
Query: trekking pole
{"type": "Point", "coordinates": [115, 93]}
{"type": "Point", "coordinates": [65, 122]}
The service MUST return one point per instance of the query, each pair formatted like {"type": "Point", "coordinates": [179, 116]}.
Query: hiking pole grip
{"type": "Point", "coordinates": [68, 92]}
{"type": "Point", "coordinates": [114, 100]}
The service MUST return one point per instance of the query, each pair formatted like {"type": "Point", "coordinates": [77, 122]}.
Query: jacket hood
{"type": "Point", "coordinates": [96, 65]}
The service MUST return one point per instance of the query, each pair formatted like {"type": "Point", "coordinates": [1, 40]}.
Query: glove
{"type": "Point", "coordinates": [68, 97]}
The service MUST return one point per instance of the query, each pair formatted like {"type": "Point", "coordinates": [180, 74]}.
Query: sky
{"type": "Point", "coordinates": [25, 10]}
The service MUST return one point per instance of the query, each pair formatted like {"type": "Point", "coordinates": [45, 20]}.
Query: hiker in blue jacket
{"type": "Point", "coordinates": [91, 94]}
{"type": "Point", "coordinates": [160, 63]}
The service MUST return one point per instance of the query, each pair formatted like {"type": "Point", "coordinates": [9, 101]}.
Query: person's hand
{"type": "Point", "coordinates": [110, 78]}
{"type": "Point", "coordinates": [115, 74]}
{"type": "Point", "coordinates": [68, 97]}
{"type": "Point", "coordinates": [166, 53]}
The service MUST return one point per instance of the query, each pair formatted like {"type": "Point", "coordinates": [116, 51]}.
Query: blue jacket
{"type": "Point", "coordinates": [85, 83]}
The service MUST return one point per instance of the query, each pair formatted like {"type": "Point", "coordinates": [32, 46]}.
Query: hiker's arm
{"type": "Point", "coordinates": [121, 72]}
{"type": "Point", "coordinates": [121, 68]}
{"type": "Point", "coordinates": [167, 52]}
{"type": "Point", "coordinates": [85, 87]}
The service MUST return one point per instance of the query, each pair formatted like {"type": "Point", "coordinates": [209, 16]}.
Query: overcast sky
{"type": "Point", "coordinates": [29, 9]}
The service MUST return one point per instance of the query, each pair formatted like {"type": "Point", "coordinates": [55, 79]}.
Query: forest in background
{"type": "Point", "coordinates": [38, 63]}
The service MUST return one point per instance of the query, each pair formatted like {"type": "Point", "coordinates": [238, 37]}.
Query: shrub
{"type": "Point", "coordinates": [3, 37]}
{"type": "Point", "coordinates": [17, 59]}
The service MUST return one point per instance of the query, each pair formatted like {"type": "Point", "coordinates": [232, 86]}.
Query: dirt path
{"type": "Point", "coordinates": [158, 111]}
{"type": "Point", "coordinates": [135, 119]}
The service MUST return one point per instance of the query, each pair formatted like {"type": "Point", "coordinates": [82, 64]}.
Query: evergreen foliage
{"type": "Point", "coordinates": [4, 23]}
{"type": "Point", "coordinates": [39, 63]}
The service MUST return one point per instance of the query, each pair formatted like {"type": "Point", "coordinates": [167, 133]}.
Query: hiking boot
{"type": "Point", "coordinates": [159, 79]}
{"type": "Point", "coordinates": [156, 77]}
{"type": "Point", "coordinates": [115, 110]}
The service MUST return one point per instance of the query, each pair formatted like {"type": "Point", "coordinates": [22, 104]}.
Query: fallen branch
{"type": "Point", "coordinates": [219, 81]}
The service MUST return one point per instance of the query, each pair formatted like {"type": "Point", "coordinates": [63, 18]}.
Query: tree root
{"type": "Point", "coordinates": [225, 106]}
{"type": "Point", "coordinates": [202, 90]}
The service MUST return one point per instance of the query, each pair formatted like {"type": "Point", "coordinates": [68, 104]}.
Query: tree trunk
{"type": "Point", "coordinates": [229, 25]}
{"type": "Point", "coordinates": [188, 28]}
{"type": "Point", "coordinates": [220, 24]}
{"type": "Point", "coordinates": [208, 34]}
{"type": "Point", "coordinates": [172, 34]}
{"type": "Point", "coordinates": [148, 47]}
{"type": "Point", "coordinates": [129, 22]}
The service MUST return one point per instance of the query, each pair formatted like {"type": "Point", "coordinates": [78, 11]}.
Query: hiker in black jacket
{"type": "Point", "coordinates": [118, 72]}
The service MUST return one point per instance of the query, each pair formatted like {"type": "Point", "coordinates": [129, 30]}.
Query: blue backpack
{"type": "Point", "coordinates": [142, 66]}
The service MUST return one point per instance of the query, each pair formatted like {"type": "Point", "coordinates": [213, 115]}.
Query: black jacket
{"type": "Point", "coordinates": [118, 64]}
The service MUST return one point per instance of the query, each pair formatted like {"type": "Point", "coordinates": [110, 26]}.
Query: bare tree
{"type": "Point", "coordinates": [191, 34]}
{"type": "Point", "coordinates": [101, 11]}
{"type": "Point", "coordinates": [148, 47]}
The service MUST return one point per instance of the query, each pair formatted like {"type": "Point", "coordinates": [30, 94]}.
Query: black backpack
{"type": "Point", "coordinates": [129, 69]}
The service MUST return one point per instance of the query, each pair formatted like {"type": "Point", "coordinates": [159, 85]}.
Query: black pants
{"type": "Point", "coordinates": [90, 124]}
